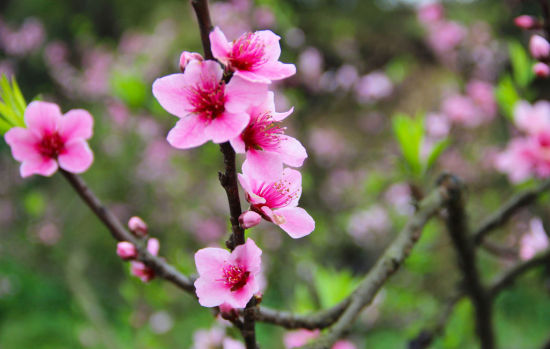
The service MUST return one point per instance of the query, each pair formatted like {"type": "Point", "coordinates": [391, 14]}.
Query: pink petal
{"type": "Point", "coordinates": [240, 297]}
{"type": "Point", "coordinates": [189, 132]}
{"type": "Point", "coordinates": [247, 255]}
{"type": "Point", "coordinates": [76, 156]}
{"type": "Point", "coordinates": [171, 92]}
{"type": "Point", "coordinates": [227, 126]}
{"type": "Point", "coordinates": [76, 123]}
{"type": "Point", "coordinates": [22, 142]}
{"type": "Point", "coordinates": [263, 165]}
{"type": "Point", "coordinates": [219, 45]}
{"type": "Point", "coordinates": [240, 94]}
{"type": "Point", "coordinates": [276, 70]}
{"type": "Point", "coordinates": [297, 222]}
{"type": "Point", "coordinates": [38, 165]}
{"type": "Point", "coordinates": [238, 145]}
{"type": "Point", "coordinates": [210, 261]}
{"type": "Point", "coordinates": [252, 76]}
{"type": "Point", "coordinates": [272, 49]}
{"type": "Point", "coordinates": [281, 116]}
{"type": "Point", "coordinates": [42, 117]}
{"type": "Point", "coordinates": [294, 180]}
{"type": "Point", "coordinates": [245, 183]}
{"type": "Point", "coordinates": [153, 246]}
{"type": "Point", "coordinates": [292, 151]}
{"type": "Point", "coordinates": [211, 293]}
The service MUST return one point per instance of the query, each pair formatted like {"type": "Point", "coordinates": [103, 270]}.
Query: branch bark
{"type": "Point", "coordinates": [161, 268]}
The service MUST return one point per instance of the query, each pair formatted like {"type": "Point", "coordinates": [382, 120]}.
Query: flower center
{"type": "Point", "coordinates": [277, 194]}
{"type": "Point", "coordinates": [247, 52]}
{"type": "Point", "coordinates": [235, 276]}
{"type": "Point", "coordinates": [51, 145]}
{"type": "Point", "coordinates": [208, 98]}
{"type": "Point", "coordinates": [262, 134]}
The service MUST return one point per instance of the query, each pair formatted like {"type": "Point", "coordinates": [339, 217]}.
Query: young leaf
{"type": "Point", "coordinates": [507, 96]}
{"type": "Point", "coordinates": [409, 133]}
{"type": "Point", "coordinates": [437, 150]}
{"type": "Point", "coordinates": [521, 64]}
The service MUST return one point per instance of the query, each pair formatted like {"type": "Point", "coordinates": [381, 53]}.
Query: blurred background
{"type": "Point", "coordinates": [459, 66]}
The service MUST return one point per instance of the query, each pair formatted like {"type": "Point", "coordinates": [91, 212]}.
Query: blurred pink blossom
{"type": "Point", "coordinates": [542, 70]}
{"type": "Point", "coordinates": [49, 234]}
{"type": "Point", "coordinates": [214, 338]}
{"type": "Point", "coordinates": [344, 344]}
{"type": "Point", "coordinates": [534, 241]}
{"type": "Point", "coordinates": [399, 196]}
{"type": "Point", "coordinates": [298, 338]}
{"type": "Point", "coordinates": [373, 87]}
{"type": "Point", "coordinates": [445, 36]}
{"type": "Point", "coordinates": [364, 225]}
{"type": "Point", "coordinates": [539, 47]}
{"type": "Point", "coordinates": [437, 125]}
{"type": "Point", "coordinates": [310, 66]}
{"type": "Point", "coordinates": [346, 76]}
{"type": "Point", "coordinates": [430, 13]}
{"type": "Point", "coordinates": [24, 41]}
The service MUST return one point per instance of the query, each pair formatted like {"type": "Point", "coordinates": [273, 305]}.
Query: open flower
{"type": "Point", "coordinates": [253, 56]}
{"type": "Point", "coordinates": [209, 108]}
{"type": "Point", "coordinates": [277, 201]}
{"type": "Point", "coordinates": [266, 145]}
{"type": "Point", "coordinates": [226, 277]}
{"type": "Point", "coordinates": [139, 269]}
{"type": "Point", "coordinates": [52, 140]}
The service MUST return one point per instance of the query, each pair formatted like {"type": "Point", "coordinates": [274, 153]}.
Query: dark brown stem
{"type": "Point", "coordinates": [458, 230]}
{"type": "Point", "coordinates": [161, 268]}
{"type": "Point", "coordinates": [205, 25]}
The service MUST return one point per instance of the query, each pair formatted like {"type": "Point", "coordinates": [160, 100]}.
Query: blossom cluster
{"type": "Point", "coordinates": [227, 99]}
{"type": "Point", "coordinates": [538, 44]}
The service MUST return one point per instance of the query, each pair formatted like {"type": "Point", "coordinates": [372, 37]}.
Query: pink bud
{"type": "Point", "coordinates": [187, 57]}
{"type": "Point", "coordinates": [137, 226]}
{"type": "Point", "coordinates": [153, 246]}
{"type": "Point", "coordinates": [539, 47]}
{"type": "Point", "coordinates": [142, 271]}
{"type": "Point", "coordinates": [126, 250]}
{"type": "Point", "coordinates": [249, 219]}
{"type": "Point", "coordinates": [526, 22]}
{"type": "Point", "coordinates": [542, 70]}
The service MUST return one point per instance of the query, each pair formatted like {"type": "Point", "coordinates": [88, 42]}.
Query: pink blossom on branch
{"type": "Point", "coordinates": [126, 250]}
{"type": "Point", "coordinates": [209, 108]}
{"type": "Point", "coordinates": [226, 277]}
{"type": "Point", "coordinates": [253, 56]}
{"type": "Point", "coordinates": [137, 226]}
{"type": "Point", "coordinates": [52, 140]}
{"type": "Point", "coordinates": [187, 57]}
{"type": "Point", "coordinates": [266, 145]}
{"type": "Point", "coordinates": [277, 201]}
{"type": "Point", "coordinates": [534, 241]}
{"type": "Point", "coordinates": [139, 269]}
{"type": "Point", "coordinates": [526, 22]}
{"type": "Point", "coordinates": [542, 70]}
{"type": "Point", "coordinates": [539, 47]}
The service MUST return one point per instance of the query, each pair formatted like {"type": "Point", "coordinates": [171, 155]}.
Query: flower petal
{"type": "Point", "coordinates": [38, 165]}
{"type": "Point", "coordinates": [210, 261]}
{"type": "Point", "coordinates": [263, 165]}
{"type": "Point", "coordinates": [211, 293]}
{"type": "Point", "coordinates": [171, 92]}
{"type": "Point", "coordinates": [272, 48]}
{"type": "Point", "coordinates": [76, 156]}
{"type": "Point", "coordinates": [76, 123]}
{"type": "Point", "coordinates": [252, 76]}
{"type": "Point", "coordinates": [238, 145]}
{"type": "Point", "coordinates": [22, 142]}
{"type": "Point", "coordinates": [189, 132]}
{"type": "Point", "coordinates": [240, 94]}
{"type": "Point", "coordinates": [292, 151]}
{"type": "Point", "coordinates": [276, 70]}
{"type": "Point", "coordinates": [297, 222]}
{"type": "Point", "coordinates": [248, 256]}
{"type": "Point", "coordinates": [227, 126]}
{"type": "Point", "coordinates": [219, 45]}
{"type": "Point", "coordinates": [42, 117]}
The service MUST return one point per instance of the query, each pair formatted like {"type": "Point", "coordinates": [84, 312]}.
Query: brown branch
{"type": "Point", "coordinates": [385, 267]}
{"type": "Point", "coordinates": [161, 268]}
{"type": "Point", "coordinates": [506, 211]}
{"type": "Point", "coordinates": [458, 230]}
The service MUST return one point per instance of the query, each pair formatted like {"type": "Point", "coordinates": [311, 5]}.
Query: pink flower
{"type": "Point", "coordinates": [139, 269]}
{"type": "Point", "coordinates": [187, 57]}
{"type": "Point", "coordinates": [253, 56]}
{"type": "Point", "coordinates": [445, 36]}
{"type": "Point", "coordinates": [532, 119]}
{"type": "Point", "coordinates": [126, 250]}
{"type": "Point", "coordinates": [137, 226]}
{"type": "Point", "coordinates": [437, 125]}
{"type": "Point", "coordinates": [430, 13]}
{"type": "Point", "coordinates": [516, 160]}
{"type": "Point", "coordinates": [533, 241]}
{"type": "Point", "coordinates": [277, 201]}
{"type": "Point", "coordinates": [344, 344]}
{"type": "Point", "coordinates": [249, 219]}
{"type": "Point", "coordinates": [526, 22]}
{"type": "Point", "coordinates": [214, 338]}
{"type": "Point", "coordinates": [373, 86]}
{"type": "Point", "coordinates": [209, 109]}
{"type": "Point", "coordinates": [539, 47]}
{"type": "Point", "coordinates": [226, 277]}
{"type": "Point", "coordinates": [51, 140]}
{"type": "Point", "coordinates": [482, 93]}
{"type": "Point", "coordinates": [298, 338]}
{"type": "Point", "coordinates": [542, 70]}
{"type": "Point", "coordinates": [266, 145]}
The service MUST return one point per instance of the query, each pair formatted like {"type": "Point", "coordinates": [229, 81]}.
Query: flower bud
{"type": "Point", "coordinates": [187, 57]}
{"type": "Point", "coordinates": [142, 271]}
{"type": "Point", "coordinates": [526, 22]}
{"type": "Point", "coordinates": [137, 226]}
{"type": "Point", "coordinates": [126, 250]}
{"type": "Point", "coordinates": [249, 219]}
{"type": "Point", "coordinates": [542, 70]}
{"type": "Point", "coordinates": [539, 47]}
{"type": "Point", "coordinates": [153, 246]}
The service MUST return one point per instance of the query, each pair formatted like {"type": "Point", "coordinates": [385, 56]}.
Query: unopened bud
{"type": "Point", "coordinates": [137, 226]}
{"type": "Point", "coordinates": [539, 47]}
{"type": "Point", "coordinates": [249, 219]}
{"type": "Point", "coordinates": [153, 246]}
{"type": "Point", "coordinates": [542, 70]}
{"type": "Point", "coordinates": [126, 250]}
{"type": "Point", "coordinates": [526, 22]}
{"type": "Point", "coordinates": [142, 271]}
{"type": "Point", "coordinates": [187, 57]}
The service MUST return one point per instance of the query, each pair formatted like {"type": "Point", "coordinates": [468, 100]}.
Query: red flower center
{"type": "Point", "coordinates": [235, 276]}
{"type": "Point", "coordinates": [262, 133]}
{"type": "Point", "coordinates": [208, 99]}
{"type": "Point", "coordinates": [247, 52]}
{"type": "Point", "coordinates": [51, 145]}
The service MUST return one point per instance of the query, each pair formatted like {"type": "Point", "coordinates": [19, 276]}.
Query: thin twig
{"type": "Point", "coordinates": [385, 267]}
{"type": "Point", "coordinates": [161, 268]}
{"type": "Point", "coordinates": [458, 230]}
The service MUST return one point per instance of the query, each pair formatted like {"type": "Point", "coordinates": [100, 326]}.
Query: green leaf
{"type": "Point", "coordinates": [12, 105]}
{"type": "Point", "coordinates": [409, 133]}
{"type": "Point", "coordinates": [507, 96]}
{"type": "Point", "coordinates": [437, 150]}
{"type": "Point", "coordinates": [521, 64]}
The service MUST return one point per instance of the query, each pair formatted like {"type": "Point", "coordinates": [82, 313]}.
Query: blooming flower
{"type": "Point", "coordinates": [226, 277]}
{"type": "Point", "coordinates": [539, 47]}
{"type": "Point", "coordinates": [52, 140]}
{"type": "Point", "coordinates": [253, 56]}
{"type": "Point", "coordinates": [533, 241]}
{"type": "Point", "coordinates": [532, 119]}
{"type": "Point", "coordinates": [209, 108]}
{"type": "Point", "coordinates": [277, 201]}
{"type": "Point", "coordinates": [139, 269]}
{"type": "Point", "coordinates": [266, 145]}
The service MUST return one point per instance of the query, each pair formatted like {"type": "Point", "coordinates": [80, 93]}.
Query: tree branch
{"type": "Point", "coordinates": [161, 268]}
{"type": "Point", "coordinates": [506, 211]}
{"type": "Point", "coordinates": [385, 267]}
